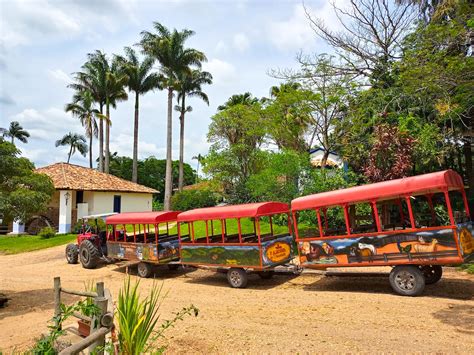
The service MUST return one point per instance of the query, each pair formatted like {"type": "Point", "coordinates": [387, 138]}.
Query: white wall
{"type": "Point", "coordinates": [103, 202]}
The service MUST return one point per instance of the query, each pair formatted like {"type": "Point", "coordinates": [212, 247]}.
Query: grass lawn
{"type": "Point", "coordinates": [469, 268]}
{"type": "Point", "coordinates": [24, 243]}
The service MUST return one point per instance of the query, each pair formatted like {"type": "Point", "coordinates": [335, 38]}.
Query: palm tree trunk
{"type": "Point", "coordinates": [69, 155]}
{"type": "Point", "coordinates": [181, 145]}
{"type": "Point", "coordinates": [90, 150]}
{"type": "Point", "coordinates": [135, 142]}
{"type": "Point", "coordinates": [101, 141]}
{"type": "Point", "coordinates": [197, 171]}
{"type": "Point", "coordinates": [13, 139]}
{"type": "Point", "coordinates": [168, 175]}
{"type": "Point", "coordinates": [107, 138]}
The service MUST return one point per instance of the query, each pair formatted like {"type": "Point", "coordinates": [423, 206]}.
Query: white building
{"type": "Point", "coordinates": [82, 191]}
{"type": "Point", "coordinates": [333, 160]}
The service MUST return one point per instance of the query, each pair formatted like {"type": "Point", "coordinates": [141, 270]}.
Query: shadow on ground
{"type": "Point", "coordinates": [24, 302]}
{"type": "Point", "coordinates": [159, 271]}
{"type": "Point", "coordinates": [456, 289]}
{"type": "Point", "coordinates": [460, 316]}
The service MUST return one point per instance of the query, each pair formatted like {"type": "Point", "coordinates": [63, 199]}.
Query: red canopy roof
{"type": "Point", "coordinates": [234, 211]}
{"type": "Point", "coordinates": [142, 217]}
{"type": "Point", "coordinates": [415, 185]}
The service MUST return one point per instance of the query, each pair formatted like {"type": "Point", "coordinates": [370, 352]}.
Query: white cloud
{"type": "Point", "coordinates": [222, 71]}
{"type": "Point", "coordinates": [221, 47]}
{"type": "Point", "coordinates": [241, 42]}
{"type": "Point", "coordinates": [60, 75]}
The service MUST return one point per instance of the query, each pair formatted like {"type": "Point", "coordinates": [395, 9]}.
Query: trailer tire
{"type": "Point", "coordinates": [89, 254]}
{"type": "Point", "coordinates": [237, 277]}
{"type": "Point", "coordinates": [144, 270]}
{"type": "Point", "coordinates": [407, 280]}
{"type": "Point", "coordinates": [72, 254]}
{"type": "Point", "coordinates": [266, 275]}
{"type": "Point", "coordinates": [432, 273]}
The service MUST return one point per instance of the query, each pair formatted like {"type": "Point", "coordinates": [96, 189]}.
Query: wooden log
{"type": "Point", "coordinates": [101, 303]}
{"type": "Point", "coordinates": [100, 289]}
{"type": "Point", "coordinates": [84, 343]}
{"type": "Point", "coordinates": [57, 301]}
{"type": "Point", "coordinates": [83, 317]}
{"type": "Point", "coordinates": [79, 293]}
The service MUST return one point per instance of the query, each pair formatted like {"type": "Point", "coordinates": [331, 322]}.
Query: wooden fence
{"type": "Point", "coordinates": [100, 324]}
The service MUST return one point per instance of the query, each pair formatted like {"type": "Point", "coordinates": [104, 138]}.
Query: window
{"type": "Point", "coordinates": [199, 231]}
{"type": "Point", "coordinates": [215, 231]}
{"type": "Point", "coordinates": [333, 221]}
{"type": "Point", "coordinates": [458, 207]}
{"type": "Point", "coordinates": [231, 230]}
{"type": "Point", "coordinates": [79, 196]}
{"type": "Point", "coordinates": [248, 229]}
{"type": "Point", "coordinates": [393, 214]}
{"type": "Point", "coordinates": [430, 210]}
{"type": "Point", "coordinates": [307, 224]}
{"type": "Point", "coordinates": [361, 217]}
{"type": "Point", "coordinates": [184, 231]}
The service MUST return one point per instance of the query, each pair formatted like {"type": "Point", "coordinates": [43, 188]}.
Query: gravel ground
{"type": "Point", "coordinates": [287, 314]}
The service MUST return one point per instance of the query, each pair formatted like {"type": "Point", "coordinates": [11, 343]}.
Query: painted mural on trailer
{"type": "Point", "coordinates": [163, 252]}
{"type": "Point", "coordinates": [274, 252]}
{"type": "Point", "coordinates": [419, 246]}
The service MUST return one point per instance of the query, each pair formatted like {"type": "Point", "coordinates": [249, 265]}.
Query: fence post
{"type": "Point", "coordinates": [100, 289]}
{"type": "Point", "coordinates": [57, 301]}
{"type": "Point", "coordinates": [100, 302]}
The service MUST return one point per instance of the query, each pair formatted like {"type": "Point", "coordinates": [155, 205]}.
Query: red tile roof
{"type": "Point", "coordinates": [74, 177]}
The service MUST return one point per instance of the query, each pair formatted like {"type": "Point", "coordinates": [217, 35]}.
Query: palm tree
{"type": "Point", "coordinates": [168, 48]}
{"type": "Point", "coordinates": [140, 81]}
{"type": "Point", "coordinates": [82, 108]}
{"type": "Point", "coordinates": [75, 141]}
{"type": "Point", "coordinates": [241, 99]}
{"type": "Point", "coordinates": [15, 131]}
{"type": "Point", "coordinates": [189, 86]}
{"type": "Point", "coordinates": [93, 78]}
{"type": "Point", "coordinates": [199, 159]}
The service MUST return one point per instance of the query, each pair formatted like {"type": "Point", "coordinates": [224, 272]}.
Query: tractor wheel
{"type": "Point", "coordinates": [407, 280]}
{"type": "Point", "coordinates": [89, 254]}
{"type": "Point", "coordinates": [266, 274]}
{"type": "Point", "coordinates": [237, 278]}
{"type": "Point", "coordinates": [72, 253]}
{"type": "Point", "coordinates": [144, 270]}
{"type": "Point", "coordinates": [432, 273]}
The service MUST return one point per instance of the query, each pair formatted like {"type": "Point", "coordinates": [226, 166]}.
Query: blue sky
{"type": "Point", "coordinates": [43, 42]}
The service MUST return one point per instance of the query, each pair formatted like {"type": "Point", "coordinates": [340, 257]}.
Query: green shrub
{"type": "Point", "coordinates": [47, 232]}
{"type": "Point", "coordinates": [468, 267]}
{"type": "Point", "coordinates": [191, 199]}
{"type": "Point", "coordinates": [157, 205]}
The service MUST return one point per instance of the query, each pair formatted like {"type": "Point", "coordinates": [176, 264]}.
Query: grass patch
{"type": "Point", "coordinates": [24, 243]}
{"type": "Point", "coordinates": [469, 268]}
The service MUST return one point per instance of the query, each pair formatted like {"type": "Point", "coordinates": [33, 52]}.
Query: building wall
{"type": "Point", "coordinates": [103, 202]}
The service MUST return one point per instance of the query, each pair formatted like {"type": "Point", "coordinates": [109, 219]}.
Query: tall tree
{"type": "Point", "coordinates": [15, 130]}
{"type": "Point", "coordinates": [199, 159]}
{"type": "Point", "coordinates": [167, 47]}
{"type": "Point", "coordinates": [92, 78]}
{"type": "Point", "coordinates": [140, 81]}
{"type": "Point", "coordinates": [190, 85]}
{"type": "Point", "coordinates": [83, 109]}
{"type": "Point", "coordinates": [75, 142]}
{"type": "Point", "coordinates": [246, 99]}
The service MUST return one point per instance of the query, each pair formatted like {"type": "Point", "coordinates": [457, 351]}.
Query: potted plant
{"type": "Point", "coordinates": [87, 308]}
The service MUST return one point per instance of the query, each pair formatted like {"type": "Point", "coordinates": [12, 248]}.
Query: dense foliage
{"type": "Point", "coordinates": [23, 192]}
{"type": "Point", "coordinates": [191, 199]}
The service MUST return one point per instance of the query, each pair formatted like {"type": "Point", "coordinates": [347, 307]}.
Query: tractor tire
{"type": "Point", "coordinates": [144, 270]}
{"type": "Point", "coordinates": [89, 255]}
{"type": "Point", "coordinates": [237, 278]}
{"type": "Point", "coordinates": [72, 253]}
{"type": "Point", "coordinates": [432, 273]}
{"type": "Point", "coordinates": [407, 280]}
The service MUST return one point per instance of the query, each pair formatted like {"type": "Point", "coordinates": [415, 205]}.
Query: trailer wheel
{"type": "Point", "coordinates": [266, 274]}
{"type": "Point", "coordinates": [407, 280]}
{"type": "Point", "coordinates": [72, 253]}
{"type": "Point", "coordinates": [173, 267]}
{"type": "Point", "coordinates": [432, 273]}
{"type": "Point", "coordinates": [89, 254]}
{"type": "Point", "coordinates": [144, 270]}
{"type": "Point", "coordinates": [237, 277]}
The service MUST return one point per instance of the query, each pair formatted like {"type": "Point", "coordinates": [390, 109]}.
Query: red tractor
{"type": "Point", "coordinates": [91, 244]}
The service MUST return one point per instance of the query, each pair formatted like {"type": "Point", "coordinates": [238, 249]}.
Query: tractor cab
{"type": "Point", "coordinates": [92, 232]}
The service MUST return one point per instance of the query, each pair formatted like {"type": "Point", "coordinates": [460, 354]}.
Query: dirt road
{"type": "Point", "coordinates": [287, 314]}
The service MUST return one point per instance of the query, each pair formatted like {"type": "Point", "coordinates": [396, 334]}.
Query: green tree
{"type": "Point", "coordinates": [140, 81]}
{"type": "Point", "coordinates": [191, 199]}
{"type": "Point", "coordinates": [75, 142]}
{"type": "Point", "coordinates": [84, 110]}
{"type": "Point", "coordinates": [190, 85]}
{"type": "Point", "coordinates": [15, 130]}
{"type": "Point", "coordinates": [168, 48]}
{"type": "Point", "coordinates": [23, 192]}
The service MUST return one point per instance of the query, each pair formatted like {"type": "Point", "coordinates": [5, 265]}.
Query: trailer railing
{"type": "Point", "coordinates": [101, 324]}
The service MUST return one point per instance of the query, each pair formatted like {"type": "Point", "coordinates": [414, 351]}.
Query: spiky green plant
{"type": "Point", "coordinates": [137, 318]}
